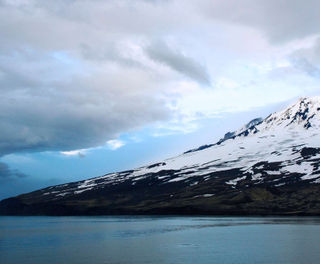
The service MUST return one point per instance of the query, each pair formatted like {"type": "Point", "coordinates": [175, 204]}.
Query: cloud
{"type": "Point", "coordinates": [115, 144]}
{"type": "Point", "coordinates": [305, 66]}
{"type": "Point", "coordinates": [75, 74]}
{"type": "Point", "coordinates": [279, 20]}
{"type": "Point", "coordinates": [307, 59]}
{"type": "Point", "coordinates": [80, 153]}
{"type": "Point", "coordinates": [45, 110]}
{"type": "Point", "coordinates": [176, 60]}
{"type": "Point", "coordinates": [7, 173]}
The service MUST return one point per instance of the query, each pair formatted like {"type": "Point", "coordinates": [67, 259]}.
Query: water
{"type": "Point", "coordinates": [118, 240]}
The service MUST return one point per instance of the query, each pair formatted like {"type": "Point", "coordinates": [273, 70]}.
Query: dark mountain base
{"type": "Point", "coordinates": [211, 197]}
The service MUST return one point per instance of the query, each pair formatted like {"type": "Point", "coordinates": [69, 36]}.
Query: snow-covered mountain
{"type": "Point", "coordinates": [266, 167]}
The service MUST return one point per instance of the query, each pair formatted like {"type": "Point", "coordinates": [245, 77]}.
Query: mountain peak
{"type": "Point", "coordinates": [304, 113]}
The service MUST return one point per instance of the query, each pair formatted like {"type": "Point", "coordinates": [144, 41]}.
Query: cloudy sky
{"type": "Point", "coordinates": [92, 86]}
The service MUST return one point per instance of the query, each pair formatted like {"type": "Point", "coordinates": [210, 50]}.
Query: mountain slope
{"type": "Point", "coordinates": [269, 166]}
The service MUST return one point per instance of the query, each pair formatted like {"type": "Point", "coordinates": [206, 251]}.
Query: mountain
{"type": "Point", "coordinates": [268, 167]}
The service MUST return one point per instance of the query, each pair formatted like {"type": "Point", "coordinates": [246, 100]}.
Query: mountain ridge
{"type": "Point", "coordinates": [269, 166]}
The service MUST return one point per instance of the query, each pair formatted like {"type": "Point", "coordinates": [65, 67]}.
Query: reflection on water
{"type": "Point", "coordinates": [159, 240]}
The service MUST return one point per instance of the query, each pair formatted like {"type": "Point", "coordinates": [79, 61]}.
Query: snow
{"type": "Point", "coordinates": [62, 194]}
{"type": "Point", "coordinates": [83, 190]}
{"type": "Point", "coordinates": [177, 179]}
{"type": "Point", "coordinates": [236, 180]}
{"type": "Point", "coordinates": [206, 195]}
{"type": "Point", "coordinates": [256, 177]}
{"type": "Point", "coordinates": [303, 168]}
{"type": "Point", "coordinates": [273, 172]}
{"type": "Point", "coordinates": [310, 177]}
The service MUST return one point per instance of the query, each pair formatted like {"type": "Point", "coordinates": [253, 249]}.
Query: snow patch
{"type": "Point", "coordinates": [236, 180]}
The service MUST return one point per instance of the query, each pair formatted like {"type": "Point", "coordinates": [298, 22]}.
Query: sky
{"type": "Point", "coordinates": [89, 87]}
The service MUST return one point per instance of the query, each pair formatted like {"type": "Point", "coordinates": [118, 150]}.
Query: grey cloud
{"type": "Point", "coordinates": [45, 112]}
{"type": "Point", "coordinates": [65, 85]}
{"type": "Point", "coordinates": [280, 20]}
{"type": "Point", "coordinates": [67, 24]}
{"type": "Point", "coordinates": [64, 82]}
{"type": "Point", "coordinates": [312, 53]}
{"type": "Point", "coordinates": [297, 66]}
{"type": "Point", "coordinates": [108, 53]}
{"type": "Point", "coordinates": [307, 59]}
{"type": "Point", "coordinates": [305, 66]}
{"type": "Point", "coordinates": [7, 174]}
{"type": "Point", "coordinates": [161, 52]}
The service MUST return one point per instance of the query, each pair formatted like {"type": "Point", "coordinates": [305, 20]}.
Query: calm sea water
{"type": "Point", "coordinates": [118, 240]}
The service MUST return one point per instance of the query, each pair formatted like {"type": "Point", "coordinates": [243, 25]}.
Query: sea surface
{"type": "Point", "coordinates": [142, 239]}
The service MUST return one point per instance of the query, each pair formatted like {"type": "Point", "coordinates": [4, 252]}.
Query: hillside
{"type": "Point", "coordinates": [269, 166]}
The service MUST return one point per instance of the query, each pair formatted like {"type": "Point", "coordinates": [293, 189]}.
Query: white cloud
{"type": "Point", "coordinates": [81, 153]}
{"type": "Point", "coordinates": [115, 144]}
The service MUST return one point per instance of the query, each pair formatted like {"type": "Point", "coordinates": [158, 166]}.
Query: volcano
{"type": "Point", "coordinates": [268, 167]}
